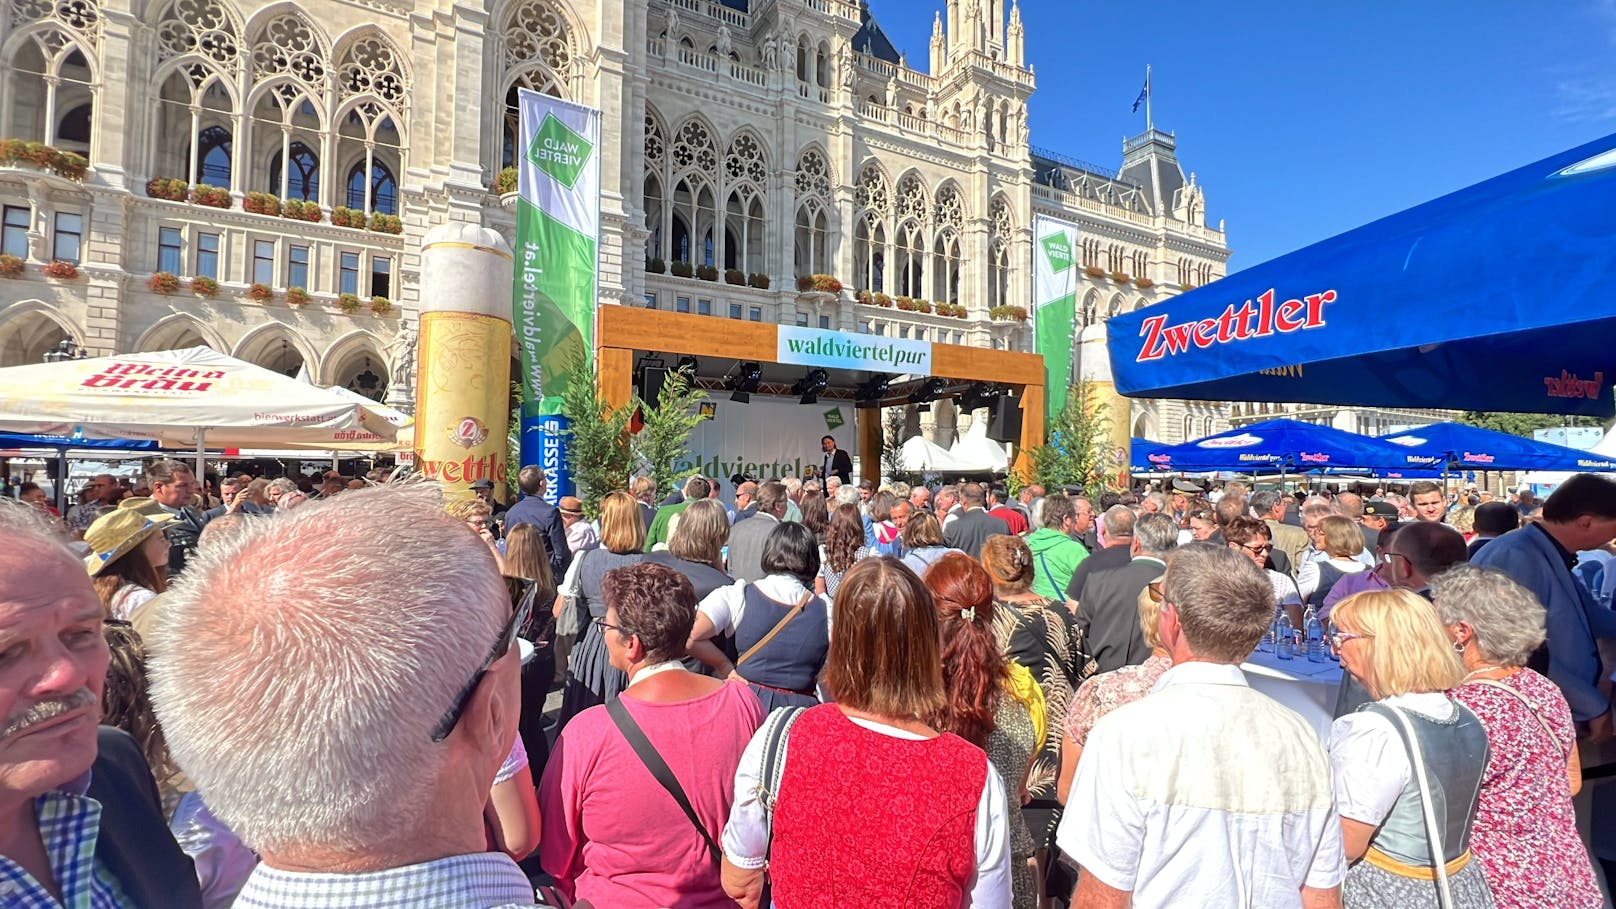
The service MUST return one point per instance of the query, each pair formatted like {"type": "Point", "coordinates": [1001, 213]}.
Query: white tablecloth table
{"type": "Point", "coordinates": [1306, 687]}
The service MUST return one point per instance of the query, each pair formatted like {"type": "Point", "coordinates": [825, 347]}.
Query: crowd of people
{"type": "Point", "coordinates": [802, 694]}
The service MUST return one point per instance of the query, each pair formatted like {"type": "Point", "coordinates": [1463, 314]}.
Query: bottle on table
{"type": "Point", "coordinates": [1285, 643]}
{"type": "Point", "coordinates": [1313, 633]}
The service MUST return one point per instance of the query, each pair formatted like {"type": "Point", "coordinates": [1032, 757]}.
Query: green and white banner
{"type": "Point", "coordinates": [557, 248]}
{"type": "Point", "coordinates": [1055, 276]}
{"type": "Point", "coordinates": [807, 346]}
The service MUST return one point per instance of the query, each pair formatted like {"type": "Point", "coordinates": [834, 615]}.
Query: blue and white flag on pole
{"type": "Point", "coordinates": [1144, 93]}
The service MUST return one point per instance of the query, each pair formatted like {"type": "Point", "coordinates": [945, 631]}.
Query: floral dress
{"type": "Point", "coordinates": [1108, 691]}
{"type": "Point", "coordinates": [1525, 834]}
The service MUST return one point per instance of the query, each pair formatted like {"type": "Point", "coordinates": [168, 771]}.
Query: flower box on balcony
{"type": "Point", "coordinates": [211, 196]}
{"type": "Point", "coordinates": [343, 216]}
{"type": "Point", "coordinates": [261, 293]}
{"type": "Point", "coordinates": [348, 303]}
{"type": "Point", "coordinates": [1120, 277]}
{"type": "Point", "coordinates": [163, 282]}
{"type": "Point", "coordinates": [734, 276]}
{"type": "Point", "coordinates": [1143, 283]}
{"type": "Point", "coordinates": [171, 189]}
{"type": "Point", "coordinates": [299, 210]}
{"type": "Point", "coordinates": [923, 306]}
{"type": "Point", "coordinates": [505, 181]}
{"type": "Point", "coordinates": [380, 305]}
{"type": "Point", "coordinates": [11, 266]}
{"type": "Point", "coordinates": [1094, 271]}
{"type": "Point", "coordinates": [707, 272]}
{"type": "Point", "coordinates": [61, 270]}
{"type": "Point", "coordinates": [758, 280]}
{"type": "Point", "coordinates": [907, 304]}
{"type": "Point", "coordinates": [51, 160]}
{"type": "Point", "coordinates": [655, 266]}
{"type": "Point", "coordinates": [204, 286]}
{"type": "Point", "coordinates": [296, 296]}
{"type": "Point", "coordinates": [386, 224]}
{"type": "Point", "coordinates": [262, 204]}
{"type": "Point", "coordinates": [1007, 313]}
{"type": "Point", "coordinates": [682, 269]}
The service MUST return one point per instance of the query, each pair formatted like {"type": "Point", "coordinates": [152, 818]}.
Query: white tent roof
{"type": "Point", "coordinates": [1605, 446]}
{"type": "Point", "coordinates": [978, 452]}
{"type": "Point", "coordinates": [179, 398]}
{"type": "Point", "coordinates": [919, 453]}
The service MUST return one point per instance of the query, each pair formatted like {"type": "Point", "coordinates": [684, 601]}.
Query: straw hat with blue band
{"type": "Point", "coordinates": [118, 533]}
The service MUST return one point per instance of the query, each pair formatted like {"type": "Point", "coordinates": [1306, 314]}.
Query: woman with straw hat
{"type": "Point", "coordinates": [128, 560]}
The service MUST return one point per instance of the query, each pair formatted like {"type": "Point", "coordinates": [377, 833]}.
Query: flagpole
{"type": "Point", "coordinates": [1150, 124]}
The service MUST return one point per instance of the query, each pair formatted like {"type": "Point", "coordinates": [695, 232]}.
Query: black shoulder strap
{"type": "Point", "coordinates": [659, 768]}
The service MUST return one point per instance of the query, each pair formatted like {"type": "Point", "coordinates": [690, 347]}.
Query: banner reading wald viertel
{"type": "Point", "coordinates": [1054, 305]}
{"type": "Point", "coordinates": [557, 248]}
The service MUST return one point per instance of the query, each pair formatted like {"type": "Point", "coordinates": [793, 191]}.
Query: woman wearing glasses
{"type": "Point", "coordinates": [1526, 834]}
{"type": "Point", "coordinates": [636, 794]}
{"type": "Point", "coordinates": [1252, 537]}
{"type": "Point", "coordinates": [1409, 766]}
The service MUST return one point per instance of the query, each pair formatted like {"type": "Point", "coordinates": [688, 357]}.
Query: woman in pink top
{"type": "Point", "coordinates": [612, 834]}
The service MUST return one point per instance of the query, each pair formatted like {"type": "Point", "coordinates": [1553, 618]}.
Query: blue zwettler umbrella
{"type": "Point", "coordinates": [1460, 447]}
{"type": "Point", "coordinates": [1501, 296]}
{"type": "Point", "coordinates": [1272, 445]}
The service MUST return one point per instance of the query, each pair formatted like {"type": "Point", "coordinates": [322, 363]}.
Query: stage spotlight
{"type": "Point", "coordinates": [688, 365]}
{"type": "Point", "coordinates": [929, 390]}
{"type": "Point", "coordinates": [872, 390]}
{"type": "Point", "coordinates": [745, 380]}
{"type": "Point", "coordinates": [810, 385]}
{"type": "Point", "coordinates": [978, 395]}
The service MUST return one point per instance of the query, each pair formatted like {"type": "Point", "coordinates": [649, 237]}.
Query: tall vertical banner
{"type": "Point", "coordinates": [1054, 305]}
{"type": "Point", "coordinates": [557, 261]}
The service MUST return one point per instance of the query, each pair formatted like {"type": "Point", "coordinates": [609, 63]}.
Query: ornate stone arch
{"type": "Point", "coordinates": [284, 41]}
{"type": "Point", "coordinates": [912, 201]}
{"type": "Point", "coordinates": [169, 331]}
{"type": "Point", "coordinates": [814, 176]}
{"type": "Point", "coordinates": [208, 31]}
{"type": "Point", "coordinates": [873, 191]}
{"type": "Point", "coordinates": [346, 357]}
{"type": "Point", "coordinates": [369, 64]}
{"type": "Point", "coordinates": [29, 328]}
{"type": "Point", "coordinates": [695, 147]}
{"type": "Point", "coordinates": [259, 346]}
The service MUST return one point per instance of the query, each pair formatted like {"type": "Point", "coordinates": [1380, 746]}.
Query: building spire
{"type": "Point", "coordinates": [1014, 51]}
{"type": "Point", "coordinates": [939, 45]}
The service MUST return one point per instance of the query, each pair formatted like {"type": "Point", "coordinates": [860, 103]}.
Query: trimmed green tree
{"type": "Point", "coordinates": [1077, 450]}
{"type": "Point", "coordinates": [599, 455]}
{"type": "Point", "coordinates": [666, 433]}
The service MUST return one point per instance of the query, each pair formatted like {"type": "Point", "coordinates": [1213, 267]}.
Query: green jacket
{"type": "Point", "coordinates": [1054, 557]}
{"type": "Point", "coordinates": [659, 524]}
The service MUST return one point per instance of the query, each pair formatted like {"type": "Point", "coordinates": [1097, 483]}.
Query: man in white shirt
{"type": "Point", "coordinates": [1205, 792]}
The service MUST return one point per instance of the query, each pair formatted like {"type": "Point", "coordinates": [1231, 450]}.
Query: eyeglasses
{"type": "Point", "coordinates": [1338, 638]}
{"type": "Point", "coordinates": [1386, 557]}
{"type": "Point", "coordinates": [605, 626]}
{"type": "Point", "coordinates": [522, 593]}
{"type": "Point", "coordinates": [1264, 549]}
{"type": "Point", "coordinates": [1157, 592]}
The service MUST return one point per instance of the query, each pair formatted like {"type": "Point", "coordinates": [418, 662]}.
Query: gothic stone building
{"type": "Point", "coordinates": [282, 160]}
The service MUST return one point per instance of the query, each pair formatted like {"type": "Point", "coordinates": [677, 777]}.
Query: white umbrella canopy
{"type": "Point", "coordinates": [920, 454]}
{"type": "Point", "coordinates": [185, 399]}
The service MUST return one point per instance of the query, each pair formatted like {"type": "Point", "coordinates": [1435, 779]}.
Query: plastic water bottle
{"type": "Point", "coordinates": [1314, 631]}
{"type": "Point", "coordinates": [1285, 645]}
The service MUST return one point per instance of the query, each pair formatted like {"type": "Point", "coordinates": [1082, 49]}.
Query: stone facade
{"type": "Point", "coordinates": [777, 138]}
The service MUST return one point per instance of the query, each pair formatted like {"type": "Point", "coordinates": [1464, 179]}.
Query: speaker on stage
{"type": "Point", "coordinates": [652, 378]}
{"type": "Point", "coordinates": [1004, 424]}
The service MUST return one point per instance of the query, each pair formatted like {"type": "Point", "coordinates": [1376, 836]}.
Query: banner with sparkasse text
{"type": "Point", "coordinates": [557, 252]}
{"type": "Point", "coordinates": [1054, 304]}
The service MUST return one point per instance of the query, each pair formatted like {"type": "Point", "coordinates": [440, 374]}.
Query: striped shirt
{"type": "Point", "coordinates": [68, 826]}
{"type": "Point", "coordinates": [485, 880]}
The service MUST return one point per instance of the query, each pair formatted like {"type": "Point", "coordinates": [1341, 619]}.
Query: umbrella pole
{"type": "Point", "coordinates": [61, 480]}
{"type": "Point", "coordinates": [201, 455]}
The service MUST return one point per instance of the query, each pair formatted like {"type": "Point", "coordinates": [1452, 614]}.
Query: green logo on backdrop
{"type": "Point", "coordinates": [559, 151]}
{"type": "Point", "coordinates": [833, 418]}
{"type": "Point", "coordinates": [1059, 251]}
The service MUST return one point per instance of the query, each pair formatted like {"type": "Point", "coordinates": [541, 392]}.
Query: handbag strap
{"type": "Point", "coordinates": [777, 726]}
{"type": "Point", "coordinates": [659, 768]}
{"type": "Point", "coordinates": [1416, 758]}
{"type": "Point", "coordinates": [1529, 709]}
{"type": "Point", "coordinates": [778, 627]}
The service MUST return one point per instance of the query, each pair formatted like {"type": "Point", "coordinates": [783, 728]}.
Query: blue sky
{"type": "Point", "coordinates": [1303, 120]}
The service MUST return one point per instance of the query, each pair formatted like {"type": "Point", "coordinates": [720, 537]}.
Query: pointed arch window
{"type": "Point", "coordinates": [383, 188]}
{"type": "Point", "coordinates": [302, 176]}
{"type": "Point", "coordinates": [213, 156]}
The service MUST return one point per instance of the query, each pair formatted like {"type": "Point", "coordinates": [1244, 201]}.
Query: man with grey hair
{"type": "Point", "coordinates": [1108, 614]}
{"type": "Point", "coordinates": [1205, 792]}
{"type": "Point", "coordinates": [1289, 540]}
{"type": "Point", "coordinates": [972, 528]}
{"type": "Point", "coordinates": [1117, 522]}
{"type": "Point", "coordinates": [920, 498]}
{"type": "Point", "coordinates": [747, 537]}
{"type": "Point", "coordinates": [948, 505]}
{"type": "Point", "coordinates": [1153, 503]}
{"type": "Point", "coordinates": [793, 500]}
{"type": "Point", "coordinates": [80, 819]}
{"type": "Point", "coordinates": [361, 772]}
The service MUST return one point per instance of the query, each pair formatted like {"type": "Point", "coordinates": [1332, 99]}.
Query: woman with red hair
{"type": "Point", "coordinates": [992, 702]}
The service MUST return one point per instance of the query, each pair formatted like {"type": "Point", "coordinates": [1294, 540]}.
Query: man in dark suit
{"type": "Point", "coordinates": [173, 488]}
{"type": "Point", "coordinates": [746, 538]}
{"type": "Point", "coordinates": [974, 525]}
{"type": "Point", "coordinates": [51, 697]}
{"type": "Point", "coordinates": [1108, 611]}
{"type": "Point", "coordinates": [837, 462]}
{"type": "Point", "coordinates": [533, 509]}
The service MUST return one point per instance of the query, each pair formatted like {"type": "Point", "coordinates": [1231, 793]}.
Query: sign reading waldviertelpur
{"type": "Point", "coordinates": [557, 245]}
{"type": "Point", "coordinates": [1054, 304]}
{"type": "Point", "coordinates": [766, 439]}
{"type": "Point", "coordinates": [804, 346]}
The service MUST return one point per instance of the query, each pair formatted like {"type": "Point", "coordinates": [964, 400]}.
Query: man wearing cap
{"type": "Point", "coordinates": [581, 537]}
{"type": "Point", "coordinates": [1378, 514]}
{"type": "Point", "coordinates": [80, 819]}
{"type": "Point", "coordinates": [1183, 492]}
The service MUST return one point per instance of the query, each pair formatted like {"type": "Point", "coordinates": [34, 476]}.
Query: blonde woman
{"type": "Point", "coordinates": [591, 677]}
{"type": "Point", "coordinates": [1341, 541]}
{"type": "Point", "coordinates": [1408, 766]}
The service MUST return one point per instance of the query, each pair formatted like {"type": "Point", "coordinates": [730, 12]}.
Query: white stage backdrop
{"type": "Point", "coordinates": [768, 438]}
